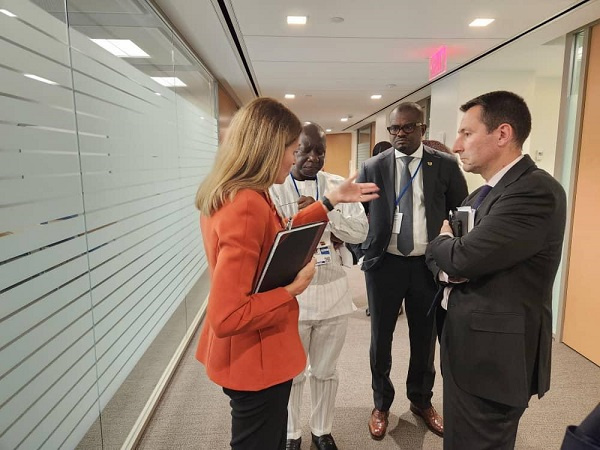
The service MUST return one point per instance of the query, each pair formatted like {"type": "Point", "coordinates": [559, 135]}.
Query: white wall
{"type": "Point", "coordinates": [381, 123]}
{"type": "Point", "coordinates": [444, 112]}
{"type": "Point", "coordinates": [542, 94]}
{"type": "Point", "coordinates": [544, 111]}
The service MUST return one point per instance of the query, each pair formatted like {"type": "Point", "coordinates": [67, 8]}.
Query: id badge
{"type": "Point", "coordinates": [323, 255]}
{"type": "Point", "coordinates": [397, 222]}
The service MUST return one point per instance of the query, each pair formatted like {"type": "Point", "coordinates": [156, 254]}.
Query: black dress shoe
{"type": "Point", "coordinates": [293, 444]}
{"type": "Point", "coordinates": [324, 442]}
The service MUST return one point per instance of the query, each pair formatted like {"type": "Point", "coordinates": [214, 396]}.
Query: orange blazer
{"type": "Point", "coordinates": [249, 341]}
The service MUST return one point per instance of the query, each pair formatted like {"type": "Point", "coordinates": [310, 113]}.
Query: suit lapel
{"type": "Point", "coordinates": [510, 177]}
{"type": "Point", "coordinates": [430, 168]}
{"type": "Point", "coordinates": [388, 175]}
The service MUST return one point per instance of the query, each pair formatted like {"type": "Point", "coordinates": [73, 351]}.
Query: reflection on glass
{"type": "Point", "coordinates": [572, 106]}
{"type": "Point", "coordinates": [99, 242]}
{"type": "Point", "coordinates": [569, 150]}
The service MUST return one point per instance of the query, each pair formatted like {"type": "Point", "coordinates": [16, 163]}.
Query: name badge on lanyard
{"type": "Point", "coordinates": [397, 222]}
{"type": "Point", "coordinates": [323, 255]}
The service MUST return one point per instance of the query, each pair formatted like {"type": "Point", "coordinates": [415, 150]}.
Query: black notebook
{"type": "Point", "coordinates": [290, 252]}
{"type": "Point", "coordinates": [461, 220]}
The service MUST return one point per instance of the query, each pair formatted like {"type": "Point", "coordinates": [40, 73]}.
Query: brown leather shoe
{"type": "Point", "coordinates": [378, 424]}
{"type": "Point", "coordinates": [431, 417]}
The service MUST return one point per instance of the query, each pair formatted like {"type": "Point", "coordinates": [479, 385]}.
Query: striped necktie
{"type": "Point", "coordinates": [485, 190]}
{"type": "Point", "coordinates": [406, 242]}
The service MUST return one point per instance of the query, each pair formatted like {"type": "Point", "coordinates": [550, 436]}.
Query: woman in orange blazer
{"type": "Point", "coordinates": [249, 342]}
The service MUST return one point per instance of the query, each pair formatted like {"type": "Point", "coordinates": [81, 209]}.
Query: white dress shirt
{"type": "Point", "coordinates": [328, 295]}
{"type": "Point", "coordinates": [419, 220]}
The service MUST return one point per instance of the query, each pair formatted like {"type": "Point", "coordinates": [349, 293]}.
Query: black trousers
{"type": "Point", "coordinates": [440, 318]}
{"type": "Point", "coordinates": [259, 418]}
{"type": "Point", "coordinates": [396, 278]}
{"type": "Point", "coordinates": [472, 422]}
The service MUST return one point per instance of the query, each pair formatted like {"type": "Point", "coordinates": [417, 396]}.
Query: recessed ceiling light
{"type": "Point", "coordinates": [337, 19]}
{"type": "Point", "coordinates": [169, 81]}
{"type": "Point", "coordinates": [43, 80]}
{"type": "Point", "coordinates": [481, 22]}
{"type": "Point", "coordinates": [123, 48]}
{"type": "Point", "coordinates": [296, 20]}
{"type": "Point", "coordinates": [7, 12]}
{"type": "Point", "coordinates": [376, 96]}
{"type": "Point", "coordinates": [344, 119]}
{"type": "Point", "coordinates": [290, 95]}
{"type": "Point", "coordinates": [328, 130]}
{"type": "Point", "coordinates": [391, 85]}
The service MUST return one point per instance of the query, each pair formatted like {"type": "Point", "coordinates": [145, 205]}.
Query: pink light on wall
{"type": "Point", "coordinates": [438, 62]}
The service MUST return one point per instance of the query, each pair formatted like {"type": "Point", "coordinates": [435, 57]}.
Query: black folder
{"type": "Point", "coordinates": [290, 252]}
{"type": "Point", "coordinates": [461, 220]}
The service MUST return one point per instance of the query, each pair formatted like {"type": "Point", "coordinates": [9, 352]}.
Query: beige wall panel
{"type": "Point", "coordinates": [582, 308]}
{"type": "Point", "coordinates": [337, 159]}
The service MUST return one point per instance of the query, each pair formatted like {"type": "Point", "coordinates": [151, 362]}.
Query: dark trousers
{"type": "Point", "coordinates": [396, 278]}
{"type": "Point", "coordinates": [472, 422]}
{"type": "Point", "coordinates": [259, 418]}
{"type": "Point", "coordinates": [440, 317]}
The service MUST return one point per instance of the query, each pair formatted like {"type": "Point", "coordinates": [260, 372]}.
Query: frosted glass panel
{"type": "Point", "coordinates": [99, 238]}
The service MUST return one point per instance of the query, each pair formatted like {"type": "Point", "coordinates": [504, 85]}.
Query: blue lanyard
{"type": "Point", "coordinates": [409, 183]}
{"type": "Point", "coordinates": [298, 191]}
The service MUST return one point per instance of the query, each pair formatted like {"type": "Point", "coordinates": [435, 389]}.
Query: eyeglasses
{"type": "Point", "coordinates": [407, 128]}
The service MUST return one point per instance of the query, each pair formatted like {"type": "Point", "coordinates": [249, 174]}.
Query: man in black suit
{"type": "Point", "coordinates": [418, 187]}
{"type": "Point", "coordinates": [497, 335]}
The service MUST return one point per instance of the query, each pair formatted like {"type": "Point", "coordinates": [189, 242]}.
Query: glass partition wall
{"type": "Point", "coordinates": [108, 125]}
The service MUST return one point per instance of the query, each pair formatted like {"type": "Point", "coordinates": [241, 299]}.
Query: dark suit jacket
{"type": "Point", "coordinates": [498, 329]}
{"type": "Point", "coordinates": [444, 188]}
{"type": "Point", "coordinates": [586, 436]}
{"type": "Point", "coordinates": [573, 441]}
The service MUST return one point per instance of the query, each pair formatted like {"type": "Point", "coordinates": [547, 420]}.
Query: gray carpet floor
{"type": "Point", "coordinates": [194, 413]}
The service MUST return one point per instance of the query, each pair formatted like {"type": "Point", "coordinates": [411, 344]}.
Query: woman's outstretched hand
{"type": "Point", "coordinates": [349, 192]}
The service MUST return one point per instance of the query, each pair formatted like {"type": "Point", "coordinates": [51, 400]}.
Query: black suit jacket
{"type": "Point", "coordinates": [586, 436]}
{"type": "Point", "coordinates": [498, 328]}
{"type": "Point", "coordinates": [444, 188]}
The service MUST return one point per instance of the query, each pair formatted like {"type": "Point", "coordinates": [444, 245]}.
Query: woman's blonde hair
{"type": "Point", "coordinates": [251, 153]}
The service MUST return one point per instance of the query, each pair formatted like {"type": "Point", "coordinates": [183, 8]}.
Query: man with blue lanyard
{"type": "Point", "coordinates": [419, 185]}
{"type": "Point", "coordinates": [327, 302]}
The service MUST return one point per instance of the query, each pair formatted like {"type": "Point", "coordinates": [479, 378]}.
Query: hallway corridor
{"type": "Point", "coordinates": [194, 412]}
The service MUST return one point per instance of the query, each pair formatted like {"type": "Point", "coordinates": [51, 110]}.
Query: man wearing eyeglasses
{"type": "Point", "coordinates": [419, 185]}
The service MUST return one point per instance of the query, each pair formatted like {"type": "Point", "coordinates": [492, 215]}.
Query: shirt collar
{"type": "Point", "coordinates": [417, 154]}
{"type": "Point", "coordinates": [498, 176]}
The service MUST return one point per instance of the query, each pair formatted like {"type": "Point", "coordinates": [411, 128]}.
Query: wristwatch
{"type": "Point", "coordinates": [327, 204]}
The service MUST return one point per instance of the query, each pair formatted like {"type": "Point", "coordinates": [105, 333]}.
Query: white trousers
{"type": "Point", "coordinates": [323, 341]}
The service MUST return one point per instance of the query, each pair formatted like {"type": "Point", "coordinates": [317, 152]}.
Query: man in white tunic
{"type": "Point", "coordinates": [325, 305]}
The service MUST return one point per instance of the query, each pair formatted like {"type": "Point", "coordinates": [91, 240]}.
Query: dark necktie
{"type": "Point", "coordinates": [485, 190]}
{"type": "Point", "coordinates": [405, 238]}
